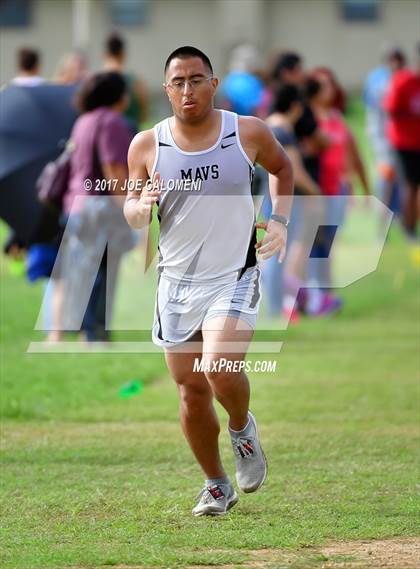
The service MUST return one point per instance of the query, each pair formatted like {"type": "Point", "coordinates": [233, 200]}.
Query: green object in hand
{"type": "Point", "coordinates": [134, 387]}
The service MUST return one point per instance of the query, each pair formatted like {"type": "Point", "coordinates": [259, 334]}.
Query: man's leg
{"type": "Point", "coordinates": [199, 421]}
{"type": "Point", "coordinates": [230, 388]}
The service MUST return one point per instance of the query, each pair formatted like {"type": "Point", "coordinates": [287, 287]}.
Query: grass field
{"type": "Point", "coordinates": [91, 480]}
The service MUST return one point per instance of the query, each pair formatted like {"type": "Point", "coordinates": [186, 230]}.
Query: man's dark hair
{"type": "Point", "coordinates": [312, 88]}
{"type": "Point", "coordinates": [286, 62]}
{"type": "Point", "coordinates": [186, 52]}
{"type": "Point", "coordinates": [115, 45]}
{"type": "Point", "coordinates": [396, 54]}
{"type": "Point", "coordinates": [101, 90]}
{"type": "Point", "coordinates": [27, 59]}
{"type": "Point", "coordinates": [284, 98]}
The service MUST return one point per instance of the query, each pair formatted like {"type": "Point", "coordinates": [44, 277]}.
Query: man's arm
{"type": "Point", "coordinates": [140, 199]}
{"type": "Point", "coordinates": [260, 145]}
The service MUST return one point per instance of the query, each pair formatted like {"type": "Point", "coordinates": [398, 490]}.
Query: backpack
{"type": "Point", "coordinates": [54, 179]}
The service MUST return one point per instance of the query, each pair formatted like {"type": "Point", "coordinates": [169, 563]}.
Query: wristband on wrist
{"type": "Point", "coordinates": [281, 219]}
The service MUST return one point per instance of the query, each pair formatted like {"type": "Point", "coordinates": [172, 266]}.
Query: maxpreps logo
{"type": "Point", "coordinates": [229, 366]}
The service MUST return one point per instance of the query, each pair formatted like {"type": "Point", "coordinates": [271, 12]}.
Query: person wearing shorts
{"type": "Point", "coordinates": [199, 164]}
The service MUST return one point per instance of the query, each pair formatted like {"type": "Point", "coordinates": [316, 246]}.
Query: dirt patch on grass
{"type": "Point", "coordinates": [395, 553]}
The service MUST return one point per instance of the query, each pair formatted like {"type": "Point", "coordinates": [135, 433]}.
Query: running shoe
{"type": "Point", "coordinates": [329, 305]}
{"type": "Point", "coordinates": [215, 500]}
{"type": "Point", "coordinates": [251, 464]}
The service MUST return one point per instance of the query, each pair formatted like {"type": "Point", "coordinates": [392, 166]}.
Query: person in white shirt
{"type": "Point", "coordinates": [208, 289]}
{"type": "Point", "coordinates": [28, 63]}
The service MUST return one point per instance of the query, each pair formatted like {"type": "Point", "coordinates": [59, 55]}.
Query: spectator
{"type": "Point", "coordinates": [377, 82]}
{"type": "Point", "coordinates": [287, 110]}
{"type": "Point", "coordinates": [28, 65]}
{"type": "Point", "coordinates": [28, 75]}
{"type": "Point", "coordinates": [72, 68]}
{"type": "Point", "coordinates": [338, 97]}
{"type": "Point", "coordinates": [337, 163]}
{"type": "Point", "coordinates": [342, 157]}
{"type": "Point", "coordinates": [289, 70]}
{"type": "Point", "coordinates": [101, 139]}
{"type": "Point", "coordinates": [242, 88]}
{"type": "Point", "coordinates": [115, 60]}
{"type": "Point", "coordinates": [402, 102]}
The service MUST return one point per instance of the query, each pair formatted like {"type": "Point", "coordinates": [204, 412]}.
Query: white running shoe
{"type": "Point", "coordinates": [251, 464]}
{"type": "Point", "coordinates": [215, 500]}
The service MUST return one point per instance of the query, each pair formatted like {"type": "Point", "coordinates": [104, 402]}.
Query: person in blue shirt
{"type": "Point", "coordinates": [375, 87]}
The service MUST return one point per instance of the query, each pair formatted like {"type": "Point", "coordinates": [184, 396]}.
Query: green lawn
{"type": "Point", "coordinates": [90, 480]}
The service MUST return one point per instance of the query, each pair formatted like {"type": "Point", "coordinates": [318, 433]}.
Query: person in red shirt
{"type": "Point", "coordinates": [402, 102]}
{"type": "Point", "coordinates": [341, 159]}
{"type": "Point", "coordinates": [338, 162]}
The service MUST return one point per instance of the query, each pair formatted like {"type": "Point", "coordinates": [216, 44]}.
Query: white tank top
{"type": "Point", "coordinates": [207, 227]}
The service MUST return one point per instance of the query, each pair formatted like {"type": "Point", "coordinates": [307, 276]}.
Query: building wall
{"type": "Point", "coordinates": [170, 24]}
{"type": "Point", "coordinates": [312, 27]}
{"type": "Point", "coordinates": [316, 29]}
{"type": "Point", "coordinates": [50, 31]}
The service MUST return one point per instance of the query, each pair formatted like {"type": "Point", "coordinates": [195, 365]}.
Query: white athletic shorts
{"type": "Point", "coordinates": [181, 308]}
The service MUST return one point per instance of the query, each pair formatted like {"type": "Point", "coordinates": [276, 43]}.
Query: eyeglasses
{"type": "Point", "coordinates": [179, 84]}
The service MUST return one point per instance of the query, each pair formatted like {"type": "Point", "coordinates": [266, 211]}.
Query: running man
{"type": "Point", "coordinates": [208, 290]}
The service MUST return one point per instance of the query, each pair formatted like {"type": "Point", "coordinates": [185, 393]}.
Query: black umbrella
{"type": "Point", "coordinates": [35, 122]}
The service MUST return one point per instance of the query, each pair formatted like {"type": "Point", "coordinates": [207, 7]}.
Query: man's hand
{"type": "Point", "coordinates": [139, 202]}
{"type": "Point", "coordinates": [138, 207]}
{"type": "Point", "coordinates": [274, 241]}
{"type": "Point", "coordinates": [150, 194]}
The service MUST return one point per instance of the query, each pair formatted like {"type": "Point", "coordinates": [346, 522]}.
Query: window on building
{"type": "Point", "coordinates": [14, 13]}
{"type": "Point", "coordinates": [360, 10]}
{"type": "Point", "coordinates": [129, 12]}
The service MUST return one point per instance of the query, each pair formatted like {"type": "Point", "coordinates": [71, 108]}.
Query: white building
{"type": "Point", "coordinates": [346, 35]}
